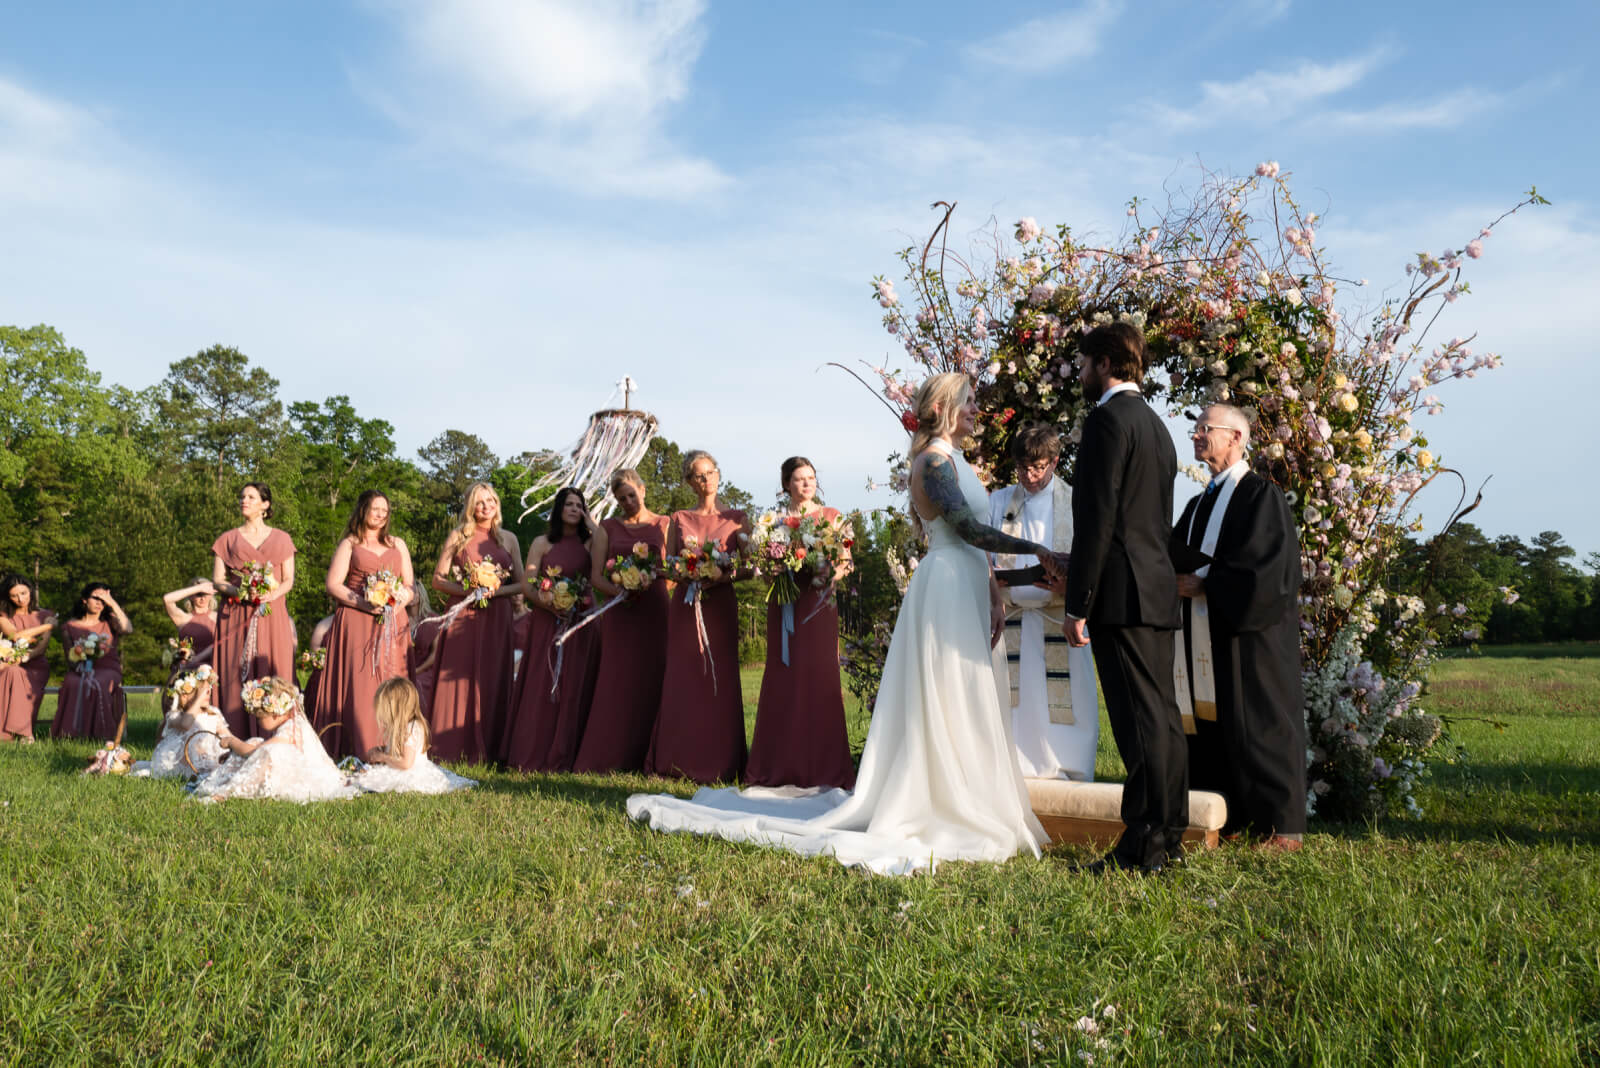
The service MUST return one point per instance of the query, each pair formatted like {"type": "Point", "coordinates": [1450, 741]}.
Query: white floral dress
{"type": "Point", "coordinates": [199, 740]}
{"type": "Point", "coordinates": [422, 777]}
{"type": "Point", "coordinates": [290, 766]}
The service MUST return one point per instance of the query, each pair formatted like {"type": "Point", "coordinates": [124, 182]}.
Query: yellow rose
{"type": "Point", "coordinates": [1424, 460]}
{"type": "Point", "coordinates": [1340, 381]}
{"type": "Point", "coordinates": [1348, 402]}
{"type": "Point", "coordinates": [631, 579]}
{"type": "Point", "coordinates": [562, 599]}
{"type": "Point", "coordinates": [1363, 439]}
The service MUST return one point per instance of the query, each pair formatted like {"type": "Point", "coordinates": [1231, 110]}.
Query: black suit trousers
{"type": "Point", "coordinates": [1135, 668]}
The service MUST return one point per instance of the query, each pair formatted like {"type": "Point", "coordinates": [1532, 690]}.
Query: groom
{"type": "Point", "coordinates": [1120, 582]}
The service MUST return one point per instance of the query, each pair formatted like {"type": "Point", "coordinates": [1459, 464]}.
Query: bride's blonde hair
{"type": "Point", "coordinates": [396, 706]}
{"type": "Point", "coordinates": [936, 405]}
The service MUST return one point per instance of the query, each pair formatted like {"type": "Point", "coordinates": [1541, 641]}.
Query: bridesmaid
{"type": "Point", "coordinates": [421, 664]}
{"type": "Point", "coordinates": [554, 685]}
{"type": "Point", "coordinates": [633, 647]}
{"type": "Point", "coordinates": [800, 737]}
{"type": "Point", "coordinates": [699, 731]}
{"type": "Point", "coordinates": [363, 649]}
{"type": "Point", "coordinates": [252, 541]}
{"type": "Point", "coordinates": [22, 685]}
{"type": "Point", "coordinates": [473, 652]}
{"type": "Point", "coordinates": [318, 640]}
{"type": "Point", "coordinates": [90, 702]}
{"type": "Point", "coordinates": [196, 622]}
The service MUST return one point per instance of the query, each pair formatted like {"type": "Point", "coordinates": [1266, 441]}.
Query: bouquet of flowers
{"type": "Point", "coordinates": [87, 649]}
{"type": "Point", "coordinates": [383, 592]}
{"type": "Point", "coordinates": [178, 651]}
{"type": "Point", "coordinates": [696, 564]}
{"type": "Point", "coordinates": [112, 759]}
{"type": "Point", "coordinates": [789, 549]}
{"type": "Point", "coordinates": [256, 582]}
{"type": "Point", "coordinates": [351, 765]}
{"type": "Point", "coordinates": [480, 579]}
{"type": "Point", "coordinates": [566, 591]}
{"type": "Point", "coordinates": [633, 571]}
{"type": "Point", "coordinates": [314, 659]}
{"type": "Point", "coordinates": [14, 650]}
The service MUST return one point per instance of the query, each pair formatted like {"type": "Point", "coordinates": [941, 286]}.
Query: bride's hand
{"type": "Point", "coordinates": [997, 621]}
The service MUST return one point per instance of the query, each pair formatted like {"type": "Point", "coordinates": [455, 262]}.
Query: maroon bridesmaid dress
{"type": "Point", "coordinates": [800, 737]}
{"type": "Point", "coordinates": [22, 685]}
{"type": "Point", "coordinates": [422, 665]}
{"type": "Point", "coordinates": [89, 704]}
{"type": "Point", "coordinates": [553, 685]}
{"type": "Point", "coordinates": [699, 731]}
{"type": "Point", "coordinates": [202, 630]}
{"type": "Point", "coordinates": [632, 661]}
{"type": "Point", "coordinates": [473, 669]}
{"type": "Point", "coordinates": [362, 652]}
{"type": "Point", "coordinates": [275, 637]}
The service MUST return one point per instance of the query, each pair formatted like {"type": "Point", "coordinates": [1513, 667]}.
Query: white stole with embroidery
{"type": "Point", "coordinates": [1200, 702]}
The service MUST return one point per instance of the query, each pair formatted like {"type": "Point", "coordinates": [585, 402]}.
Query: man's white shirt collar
{"type": "Point", "coordinates": [1120, 387]}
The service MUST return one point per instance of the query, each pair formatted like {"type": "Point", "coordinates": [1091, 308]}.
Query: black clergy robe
{"type": "Point", "coordinates": [1254, 753]}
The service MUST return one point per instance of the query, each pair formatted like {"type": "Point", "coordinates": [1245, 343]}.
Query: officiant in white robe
{"type": "Point", "coordinates": [1047, 684]}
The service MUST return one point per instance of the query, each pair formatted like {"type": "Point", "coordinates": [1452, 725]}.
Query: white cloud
{"type": "Point", "coordinates": [576, 92]}
{"type": "Point", "coordinates": [1454, 109]}
{"type": "Point", "coordinates": [1050, 41]}
{"type": "Point", "coordinates": [1271, 94]}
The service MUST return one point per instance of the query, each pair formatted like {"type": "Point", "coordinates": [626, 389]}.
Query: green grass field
{"type": "Point", "coordinates": [529, 922]}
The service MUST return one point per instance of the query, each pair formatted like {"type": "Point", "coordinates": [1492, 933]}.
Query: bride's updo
{"type": "Point", "coordinates": [936, 404]}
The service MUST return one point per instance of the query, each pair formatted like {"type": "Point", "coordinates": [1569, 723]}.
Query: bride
{"type": "Point", "coordinates": [939, 777]}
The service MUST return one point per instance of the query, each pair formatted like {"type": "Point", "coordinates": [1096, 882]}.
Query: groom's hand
{"type": "Point", "coordinates": [1077, 632]}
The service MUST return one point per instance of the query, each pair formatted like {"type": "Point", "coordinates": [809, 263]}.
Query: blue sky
{"type": "Point", "coordinates": [389, 198]}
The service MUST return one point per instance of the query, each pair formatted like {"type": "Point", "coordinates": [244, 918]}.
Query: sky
{"type": "Point", "coordinates": [407, 200]}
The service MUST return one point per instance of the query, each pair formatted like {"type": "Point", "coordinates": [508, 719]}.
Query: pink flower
{"type": "Point", "coordinates": [1027, 229]}
{"type": "Point", "coordinates": [1475, 248]}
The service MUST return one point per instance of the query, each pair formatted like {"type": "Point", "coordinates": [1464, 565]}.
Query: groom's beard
{"type": "Point", "coordinates": [1093, 386]}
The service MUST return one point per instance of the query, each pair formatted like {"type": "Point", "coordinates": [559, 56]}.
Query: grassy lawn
{"type": "Point", "coordinates": [529, 922]}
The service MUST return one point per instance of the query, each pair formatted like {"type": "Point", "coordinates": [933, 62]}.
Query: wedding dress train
{"type": "Point", "coordinates": [939, 778]}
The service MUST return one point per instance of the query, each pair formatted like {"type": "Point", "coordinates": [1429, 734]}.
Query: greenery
{"type": "Point", "coordinates": [106, 484]}
{"type": "Point", "coordinates": [529, 922]}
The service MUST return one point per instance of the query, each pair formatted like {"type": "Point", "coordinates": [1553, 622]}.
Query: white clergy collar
{"type": "Point", "coordinates": [1120, 387]}
{"type": "Point", "coordinates": [1229, 474]}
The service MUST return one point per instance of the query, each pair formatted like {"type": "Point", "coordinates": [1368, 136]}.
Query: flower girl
{"type": "Point", "coordinates": [401, 765]}
{"type": "Point", "coordinates": [289, 764]}
{"type": "Point", "coordinates": [192, 729]}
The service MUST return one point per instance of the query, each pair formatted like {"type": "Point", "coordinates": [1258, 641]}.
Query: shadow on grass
{"type": "Point", "coordinates": [594, 790]}
{"type": "Point", "coordinates": [1554, 650]}
{"type": "Point", "coordinates": [1548, 780]}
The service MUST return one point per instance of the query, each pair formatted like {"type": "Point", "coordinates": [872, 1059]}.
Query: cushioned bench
{"type": "Point", "coordinates": [1089, 812]}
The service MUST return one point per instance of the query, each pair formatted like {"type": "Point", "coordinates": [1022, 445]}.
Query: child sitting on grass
{"type": "Point", "coordinates": [401, 764]}
{"type": "Point", "coordinates": [192, 727]}
{"type": "Point", "coordinates": [289, 763]}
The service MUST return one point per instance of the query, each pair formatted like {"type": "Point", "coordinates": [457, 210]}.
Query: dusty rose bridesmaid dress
{"type": "Point", "coordinates": [362, 652]}
{"type": "Point", "coordinates": [22, 685]}
{"type": "Point", "coordinates": [800, 737]}
{"type": "Point", "coordinates": [90, 704]}
{"type": "Point", "coordinates": [632, 660]}
{"type": "Point", "coordinates": [699, 731]}
{"type": "Point", "coordinates": [275, 637]}
{"type": "Point", "coordinates": [553, 685]}
{"type": "Point", "coordinates": [202, 630]}
{"type": "Point", "coordinates": [422, 665]}
{"type": "Point", "coordinates": [473, 673]}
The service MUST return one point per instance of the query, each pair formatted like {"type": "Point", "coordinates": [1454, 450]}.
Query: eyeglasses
{"type": "Point", "coordinates": [1201, 427]}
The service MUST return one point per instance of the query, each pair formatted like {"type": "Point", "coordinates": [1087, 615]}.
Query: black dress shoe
{"type": "Point", "coordinates": [1111, 863]}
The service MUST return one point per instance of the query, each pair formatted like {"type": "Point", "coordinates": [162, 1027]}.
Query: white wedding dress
{"type": "Point", "coordinates": [290, 766]}
{"type": "Point", "coordinates": [939, 778]}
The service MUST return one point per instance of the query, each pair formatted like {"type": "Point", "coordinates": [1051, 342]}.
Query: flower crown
{"type": "Point", "coordinates": [270, 696]}
{"type": "Point", "coordinates": [190, 681]}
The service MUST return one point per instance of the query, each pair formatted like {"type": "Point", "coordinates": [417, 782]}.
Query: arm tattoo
{"type": "Point", "coordinates": [939, 482]}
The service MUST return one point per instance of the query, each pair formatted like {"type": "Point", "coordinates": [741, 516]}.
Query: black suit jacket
{"type": "Point", "coordinates": [1121, 572]}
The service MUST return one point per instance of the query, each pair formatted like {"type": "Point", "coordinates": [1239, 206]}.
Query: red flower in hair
{"type": "Point", "coordinates": [1007, 415]}
{"type": "Point", "coordinates": [908, 419]}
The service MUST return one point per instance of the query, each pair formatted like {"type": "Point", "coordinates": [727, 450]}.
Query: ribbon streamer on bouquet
{"type": "Point", "coordinates": [691, 595]}
{"type": "Point", "coordinates": [589, 617]}
{"type": "Point", "coordinates": [469, 601]}
{"type": "Point", "coordinates": [383, 641]}
{"type": "Point", "coordinates": [85, 669]}
{"type": "Point", "coordinates": [248, 655]}
{"type": "Point", "coordinates": [788, 629]}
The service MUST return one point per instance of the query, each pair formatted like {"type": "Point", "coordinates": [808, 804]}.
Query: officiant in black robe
{"type": "Point", "coordinates": [1250, 737]}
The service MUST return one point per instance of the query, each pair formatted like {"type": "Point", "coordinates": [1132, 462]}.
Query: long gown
{"type": "Point", "coordinates": [422, 777]}
{"type": "Point", "coordinates": [22, 685]}
{"type": "Point", "coordinates": [939, 777]}
{"type": "Point", "coordinates": [198, 741]}
{"type": "Point", "coordinates": [202, 631]}
{"type": "Point", "coordinates": [800, 736]}
{"type": "Point", "coordinates": [275, 637]}
{"type": "Point", "coordinates": [90, 701]}
{"type": "Point", "coordinates": [473, 669]}
{"type": "Point", "coordinates": [553, 685]}
{"type": "Point", "coordinates": [291, 766]}
{"type": "Point", "coordinates": [424, 671]}
{"type": "Point", "coordinates": [363, 651]}
{"type": "Point", "coordinates": [632, 661]}
{"type": "Point", "coordinates": [699, 732]}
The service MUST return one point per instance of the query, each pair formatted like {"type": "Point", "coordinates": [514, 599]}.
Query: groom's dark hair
{"type": "Point", "coordinates": [1122, 344]}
